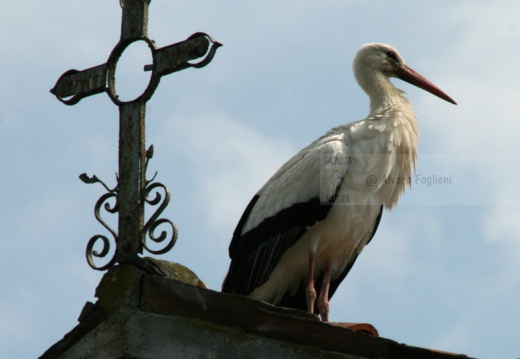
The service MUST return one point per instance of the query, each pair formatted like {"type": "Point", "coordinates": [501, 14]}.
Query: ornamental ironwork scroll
{"type": "Point", "coordinates": [133, 191]}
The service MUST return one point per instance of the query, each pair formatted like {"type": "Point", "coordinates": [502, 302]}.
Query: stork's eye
{"type": "Point", "coordinates": [391, 55]}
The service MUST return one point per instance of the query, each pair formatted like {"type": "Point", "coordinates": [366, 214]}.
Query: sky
{"type": "Point", "coordinates": [443, 270]}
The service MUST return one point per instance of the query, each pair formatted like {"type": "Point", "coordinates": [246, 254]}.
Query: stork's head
{"type": "Point", "coordinates": [375, 60]}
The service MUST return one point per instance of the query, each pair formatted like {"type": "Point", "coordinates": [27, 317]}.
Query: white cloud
{"type": "Point", "coordinates": [502, 227]}
{"type": "Point", "coordinates": [228, 161]}
{"type": "Point", "coordinates": [476, 69]}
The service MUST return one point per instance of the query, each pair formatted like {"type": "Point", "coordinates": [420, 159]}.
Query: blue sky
{"type": "Point", "coordinates": [443, 269]}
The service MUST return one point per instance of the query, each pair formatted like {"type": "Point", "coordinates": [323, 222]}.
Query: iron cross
{"type": "Point", "coordinates": [133, 189]}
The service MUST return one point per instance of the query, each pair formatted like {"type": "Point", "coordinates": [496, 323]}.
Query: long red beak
{"type": "Point", "coordinates": [409, 75]}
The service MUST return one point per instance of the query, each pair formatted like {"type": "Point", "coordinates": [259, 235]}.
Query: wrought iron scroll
{"type": "Point", "coordinates": [154, 221]}
{"type": "Point", "coordinates": [133, 191]}
{"type": "Point", "coordinates": [102, 202]}
{"type": "Point", "coordinates": [162, 200]}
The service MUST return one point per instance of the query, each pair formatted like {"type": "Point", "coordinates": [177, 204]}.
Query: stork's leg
{"type": "Point", "coordinates": [310, 292]}
{"type": "Point", "coordinates": [323, 299]}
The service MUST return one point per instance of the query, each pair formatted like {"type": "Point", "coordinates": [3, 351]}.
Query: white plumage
{"type": "Point", "coordinates": [303, 230]}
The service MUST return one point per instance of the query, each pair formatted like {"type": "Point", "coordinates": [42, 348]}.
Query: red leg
{"type": "Point", "coordinates": [310, 292]}
{"type": "Point", "coordinates": [323, 299]}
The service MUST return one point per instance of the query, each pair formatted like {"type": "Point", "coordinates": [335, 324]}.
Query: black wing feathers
{"type": "Point", "coordinates": [255, 254]}
{"type": "Point", "coordinates": [240, 226]}
{"type": "Point", "coordinates": [378, 219]}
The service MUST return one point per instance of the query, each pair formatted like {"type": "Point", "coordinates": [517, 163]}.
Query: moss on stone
{"type": "Point", "coordinates": [120, 287]}
{"type": "Point", "coordinates": [177, 272]}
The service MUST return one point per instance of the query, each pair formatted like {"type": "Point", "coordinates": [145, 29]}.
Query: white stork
{"type": "Point", "coordinates": [303, 230]}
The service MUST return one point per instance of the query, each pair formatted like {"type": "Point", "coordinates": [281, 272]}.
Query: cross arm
{"type": "Point", "coordinates": [74, 85]}
{"type": "Point", "coordinates": [176, 57]}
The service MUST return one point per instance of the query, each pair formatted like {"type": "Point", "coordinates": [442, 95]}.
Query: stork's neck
{"type": "Point", "coordinates": [384, 95]}
{"type": "Point", "coordinates": [396, 120]}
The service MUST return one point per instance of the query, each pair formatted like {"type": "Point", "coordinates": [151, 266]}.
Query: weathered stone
{"type": "Point", "coordinates": [120, 286]}
{"type": "Point", "coordinates": [141, 335]}
{"type": "Point", "coordinates": [143, 316]}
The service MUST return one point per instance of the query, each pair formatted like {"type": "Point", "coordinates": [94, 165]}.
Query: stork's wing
{"type": "Point", "coordinates": [296, 197]}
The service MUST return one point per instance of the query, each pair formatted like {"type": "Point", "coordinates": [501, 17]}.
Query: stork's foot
{"type": "Point", "coordinates": [310, 294]}
{"type": "Point", "coordinates": [323, 299]}
{"type": "Point", "coordinates": [323, 307]}
{"type": "Point", "coordinates": [310, 291]}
